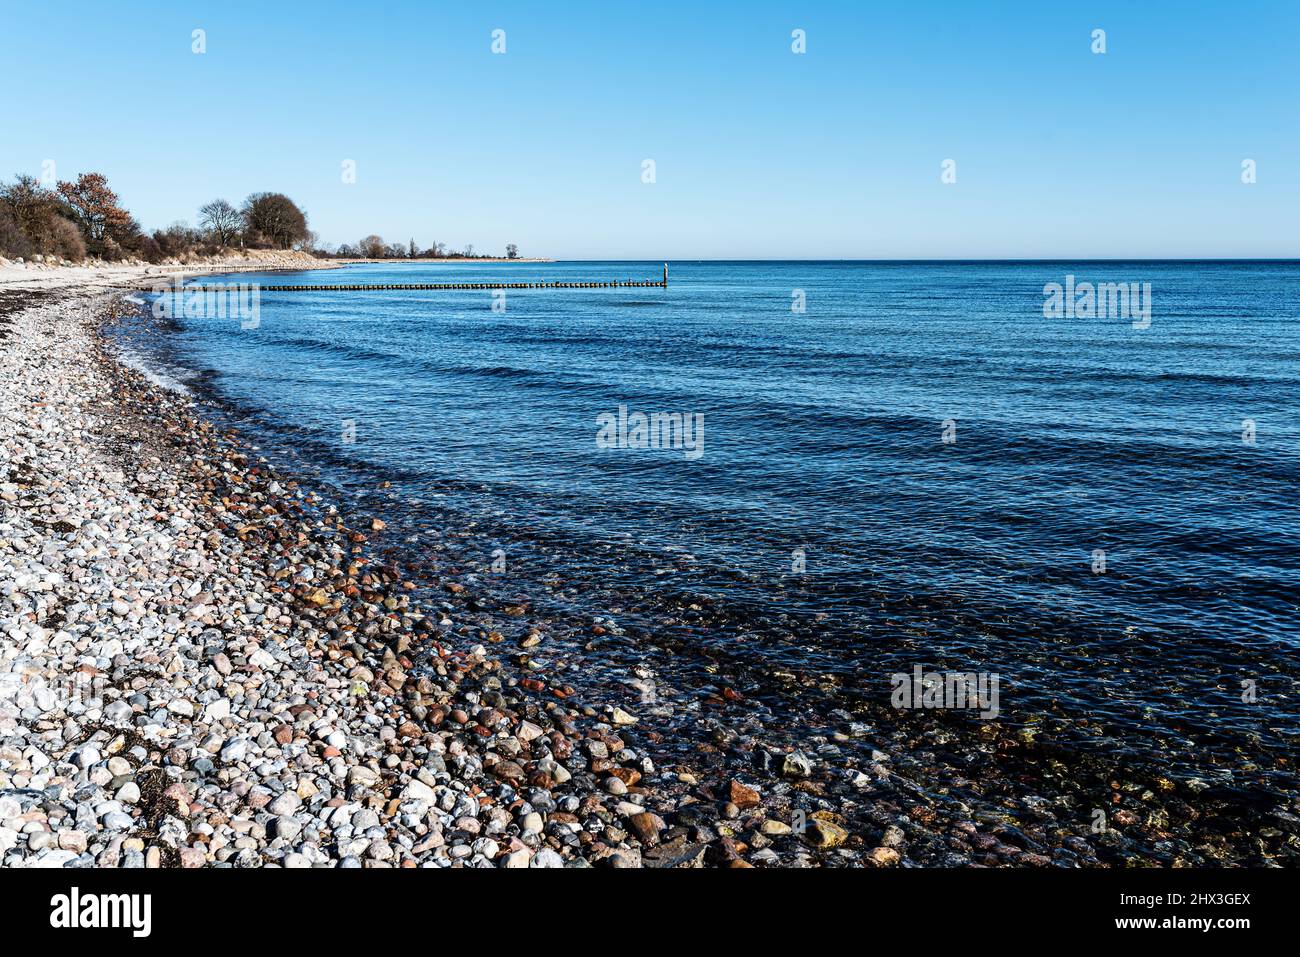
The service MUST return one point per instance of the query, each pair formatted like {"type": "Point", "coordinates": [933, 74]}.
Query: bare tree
{"type": "Point", "coordinates": [221, 221]}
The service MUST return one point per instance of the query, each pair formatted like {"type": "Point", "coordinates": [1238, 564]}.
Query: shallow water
{"type": "Point", "coordinates": [826, 530]}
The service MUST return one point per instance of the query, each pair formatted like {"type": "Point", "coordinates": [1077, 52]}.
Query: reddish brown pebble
{"type": "Point", "coordinates": [742, 795]}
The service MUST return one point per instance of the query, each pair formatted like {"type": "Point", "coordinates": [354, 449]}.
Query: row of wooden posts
{"type": "Point", "coordinates": [465, 285]}
{"type": "Point", "coordinates": [663, 283]}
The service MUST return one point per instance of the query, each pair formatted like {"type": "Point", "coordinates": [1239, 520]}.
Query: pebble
{"type": "Point", "coordinates": [797, 765]}
{"type": "Point", "coordinates": [517, 859]}
{"type": "Point", "coordinates": [883, 856]}
{"type": "Point", "coordinates": [286, 803]}
{"type": "Point", "coordinates": [546, 857]}
{"type": "Point", "coordinates": [824, 834]}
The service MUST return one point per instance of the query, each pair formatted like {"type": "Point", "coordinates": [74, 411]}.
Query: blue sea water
{"type": "Point", "coordinates": [827, 529]}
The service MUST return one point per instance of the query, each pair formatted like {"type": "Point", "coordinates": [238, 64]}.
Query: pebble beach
{"type": "Point", "coordinates": [201, 672]}
{"type": "Point", "coordinates": [204, 665]}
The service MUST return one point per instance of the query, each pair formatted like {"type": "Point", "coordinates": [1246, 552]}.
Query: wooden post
{"type": "Point", "coordinates": [665, 275]}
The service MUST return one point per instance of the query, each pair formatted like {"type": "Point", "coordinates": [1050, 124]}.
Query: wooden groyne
{"type": "Point", "coordinates": [612, 284]}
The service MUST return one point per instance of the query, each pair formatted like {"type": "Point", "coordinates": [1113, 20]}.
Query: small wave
{"type": "Point", "coordinates": [164, 378]}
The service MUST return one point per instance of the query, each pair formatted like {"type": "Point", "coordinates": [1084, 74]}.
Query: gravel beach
{"type": "Point", "coordinates": [203, 665]}
{"type": "Point", "coordinates": [200, 665]}
{"type": "Point", "coordinates": [203, 669]}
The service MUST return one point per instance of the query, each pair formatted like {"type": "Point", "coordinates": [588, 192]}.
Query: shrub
{"type": "Point", "coordinates": [177, 239]}
{"type": "Point", "coordinates": [147, 248]}
{"type": "Point", "coordinates": [111, 251]}
{"type": "Point", "coordinates": [12, 241]}
{"type": "Point", "coordinates": [66, 241]}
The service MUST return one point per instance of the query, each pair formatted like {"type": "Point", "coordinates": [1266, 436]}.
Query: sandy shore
{"type": "Point", "coordinates": [202, 667]}
{"type": "Point", "coordinates": [47, 276]}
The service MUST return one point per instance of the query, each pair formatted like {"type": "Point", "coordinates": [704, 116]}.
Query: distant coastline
{"type": "Point", "coordinates": [356, 261]}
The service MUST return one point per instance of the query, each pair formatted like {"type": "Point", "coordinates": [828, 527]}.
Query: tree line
{"type": "Point", "coordinates": [374, 247]}
{"type": "Point", "coordinates": [85, 217]}
{"type": "Point", "coordinates": [74, 220]}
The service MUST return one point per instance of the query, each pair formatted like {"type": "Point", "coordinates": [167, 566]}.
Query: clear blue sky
{"type": "Point", "coordinates": [760, 153]}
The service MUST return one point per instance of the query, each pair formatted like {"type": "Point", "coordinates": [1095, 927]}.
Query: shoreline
{"type": "Point", "coordinates": [245, 686]}
{"type": "Point", "coordinates": [389, 710]}
{"type": "Point", "coordinates": [97, 275]}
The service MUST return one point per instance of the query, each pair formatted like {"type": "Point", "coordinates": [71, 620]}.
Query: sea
{"type": "Point", "coordinates": [778, 486]}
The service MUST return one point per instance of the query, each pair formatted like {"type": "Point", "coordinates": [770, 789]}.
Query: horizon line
{"type": "Point", "coordinates": [909, 260]}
